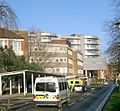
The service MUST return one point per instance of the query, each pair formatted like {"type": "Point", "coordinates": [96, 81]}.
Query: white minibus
{"type": "Point", "coordinates": [51, 91]}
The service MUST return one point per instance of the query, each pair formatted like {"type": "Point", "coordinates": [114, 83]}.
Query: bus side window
{"type": "Point", "coordinates": [60, 86]}
{"type": "Point", "coordinates": [65, 85]}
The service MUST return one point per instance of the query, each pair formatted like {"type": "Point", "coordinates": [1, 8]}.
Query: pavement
{"type": "Point", "coordinates": [22, 96]}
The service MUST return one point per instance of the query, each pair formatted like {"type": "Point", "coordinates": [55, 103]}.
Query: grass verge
{"type": "Point", "coordinates": [113, 103]}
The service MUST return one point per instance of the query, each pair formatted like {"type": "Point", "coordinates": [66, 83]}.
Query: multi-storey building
{"type": "Point", "coordinates": [74, 40]}
{"type": "Point", "coordinates": [59, 57]}
{"type": "Point", "coordinates": [94, 63]}
{"type": "Point", "coordinates": [77, 63]}
{"type": "Point", "coordinates": [75, 43]}
{"type": "Point", "coordinates": [47, 37]}
{"type": "Point", "coordinates": [91, 46]}
{"type": "Point", "coordinates": [15, 39]}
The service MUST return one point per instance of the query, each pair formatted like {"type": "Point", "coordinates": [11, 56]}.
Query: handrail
{"type": "Point", "coordinates": [99, 108]}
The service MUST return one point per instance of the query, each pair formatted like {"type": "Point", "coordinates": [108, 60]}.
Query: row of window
{"type": "Point", "coordinates": [63, 86]}
{"type": "Point", "coordinates": [16, 45]}
{"type": "Point", "coordinates": [61, 60]}
{"type": "Point", "coordinates": [91, 40]}
{"type": "Point", "coordinates": [92, 51]}
{"type": "Point", "coordinates": [37, 48]}
{"type": "Point", "coordinates": [76, 82]}
{"type": "Point", "coordinates": [40, 60]}
{"type": "Point", "coordinates": [50, 86]}
{"type": "Point", "coordinates": [89, 56]}
{"type": "Point", "coordinates": [92, 45]}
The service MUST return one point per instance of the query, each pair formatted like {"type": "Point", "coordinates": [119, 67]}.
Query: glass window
{"type": "Point", "coordinates": [60, 86]}
{"type": "Point", "coordinates": [61, 60]}
{"type": "Point", "coordinates": [16, 45]}
{"type": "Point", "coordinates": [63, 85]}
{"type": "Point", "coordinates": [46, 86]}
{"type": "Point", "coordinates": [19, 45]}
{"type": "Point", "coordinates": [58, 70]}
{"type": "Point", "coordinates": [66, 85]}
{"type": "Point", "coordinates": [76, 82]}
{"type": "Point", "coordinates": [89, 40]}
{"type": "Point", "coordinates": [3, 43]}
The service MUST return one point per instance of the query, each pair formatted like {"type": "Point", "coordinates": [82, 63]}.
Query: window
{"type": "Point", "coordinates": [57, 70]}
{"type": "Point", "coordinates": [65, 60]}
{"type": "Point", "coordinates": [76, 82]}
{"type": "Point", "coordinates": [89, 40]}
{"type": "Point", "coordinates": [66, 85]}
{"type": "Point", "coordinates": [60, 48]}
{"type": "Point", "coordinates": [35, 48]}
{"type": "Point", "coordinates": [40, 59]}
{"type": "Point", "coordinates": [3, 43]}
{"type": "Point", "coordinates": [61, 60]}
{"type": "Point", "coordinates": [71, 82]}
{"type": "Point", "coordinates": [16, 45]}
{"type": "Point", "coordinates": [32, 60]}
{"type": "Point", "coordinates": [63, 86]}
{"type": "Point", "coordinates": [60, 86]}
{"type": "Point", "coordinates": [47, 86]}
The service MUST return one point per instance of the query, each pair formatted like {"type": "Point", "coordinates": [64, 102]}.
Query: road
{"type": "Point", "coordinates": [30, 106]}
{"type": "Point", "coordinates": [92, 102]}
{"type": "Point", "coordinates": [87, 101]}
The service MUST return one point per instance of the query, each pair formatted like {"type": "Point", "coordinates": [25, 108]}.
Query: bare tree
{"type": "Point", "coordinates": [114, 34]}
{"type": "Point", "coordinates": [40, 52]}
{"type": "Point", "coordinates": [8, 17]}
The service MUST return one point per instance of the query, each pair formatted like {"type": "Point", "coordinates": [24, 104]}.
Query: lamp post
{"type": "Point", "coordinates": [118, 24]}
{"type": "Point", "coordinates": [118, 67]}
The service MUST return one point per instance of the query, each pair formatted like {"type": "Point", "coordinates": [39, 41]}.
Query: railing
{"type": "Point", "coordinates": [100, 107]}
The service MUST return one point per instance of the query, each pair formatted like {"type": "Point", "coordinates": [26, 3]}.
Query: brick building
{"type": "Point", "coordinates": [15, 39]}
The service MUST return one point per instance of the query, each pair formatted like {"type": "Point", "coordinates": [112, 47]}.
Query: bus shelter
{"type": "Point", "coordinates": [21, 79]}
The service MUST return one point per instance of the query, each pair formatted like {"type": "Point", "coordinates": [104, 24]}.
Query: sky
{"type": "Point", "coordinates": [64, 16]}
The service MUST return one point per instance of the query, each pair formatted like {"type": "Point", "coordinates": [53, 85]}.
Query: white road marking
{"type": "Point", "coordinates": [72, 103]}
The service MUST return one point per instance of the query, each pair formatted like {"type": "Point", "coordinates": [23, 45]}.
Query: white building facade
{"type": "Point", "coordinates": [63, 59]}
{"type": "Point", "coordinates": [94, 63]}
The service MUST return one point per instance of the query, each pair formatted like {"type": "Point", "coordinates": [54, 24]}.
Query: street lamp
{"type": "Point", "coordinates": [118, 24]}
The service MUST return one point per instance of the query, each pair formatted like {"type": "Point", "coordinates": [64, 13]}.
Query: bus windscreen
{"type": "Point", "coordinates": [46, 86]}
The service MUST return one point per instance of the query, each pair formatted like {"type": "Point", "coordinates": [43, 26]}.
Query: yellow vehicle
{"type": "Point", "coordinates": [74, 83]}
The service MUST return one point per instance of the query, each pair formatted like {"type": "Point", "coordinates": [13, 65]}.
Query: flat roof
{"type": "Point", "coordinates": [28, 71]}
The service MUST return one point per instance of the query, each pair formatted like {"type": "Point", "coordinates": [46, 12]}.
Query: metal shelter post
{"type": "Point", "coordinates": [85, 73]}
{"type": "Point", "coordinates": [0, 85]}
{"type": "Point", "coordinates": [18, 85]}
{"type": "Point", "coordinates": [10, 86]}
{"type": "Point", "coordinates": [32, 81]}
{"type": "Point", "coordinates": [24, 83]}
